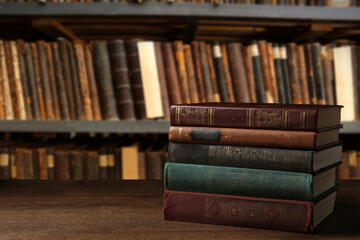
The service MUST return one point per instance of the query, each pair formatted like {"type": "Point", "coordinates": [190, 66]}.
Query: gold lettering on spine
{"type": "Point", "coordinates": [286, 120]}
{"type": "Point", "coordinates": [178, 115]}
{"type": "Point", "coordinates": [180, 134]}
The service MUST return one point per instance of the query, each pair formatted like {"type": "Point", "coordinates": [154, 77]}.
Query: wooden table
{"type": "Point", "coordinates": [133, 210]}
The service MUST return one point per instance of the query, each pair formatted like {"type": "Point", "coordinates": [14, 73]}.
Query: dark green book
{"type": "Point", "coordinates": [248, 182]}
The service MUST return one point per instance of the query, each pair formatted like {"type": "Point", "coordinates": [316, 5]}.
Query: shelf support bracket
{"type": "Point", "coordinates": [52, 28]}
{"type": "Point", "coordinates": [191, 30]}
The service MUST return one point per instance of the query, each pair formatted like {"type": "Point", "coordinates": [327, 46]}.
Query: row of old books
{"type": "Point", "coordinates": [327, 3]}
{"type": "Point", "coordinates": [69, 160]}
{"type": "Point", "coordinates": [252, 165]}
{"type": "Point", "coordinates": [350, 167]}
{"type": "Point", "coordinates": [135, 79]}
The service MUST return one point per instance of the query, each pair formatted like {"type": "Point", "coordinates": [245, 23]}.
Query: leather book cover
{"type": "Point", "coordinates": [278, 73]}
{"type": "Point", "coordinates": [20, 163]}
{"type": "Point", "coordinates": [52, 81]}
{"type": "Point", "coordinates": [50, 161]}
{"type": "Point", "coordinates": [10, 73]}
{"type": "Point", "coordinates": [264, 59]}
{"type": "Point", "coordinates": [205, 68]}
{"type": "Point", "coordinates": [2, 104]}
{"type": "Point", "coordinates": [250, 72]}
{"type": "Point", "coordinates": [36, 164]}
{"type": "Point", "coordinates": [190, 71]}
{"type": "Point", "coordinates": [135, 78]}
{"type": "Point", "coordinates": [7, 99]}
{"type": "Point", "coordinates": [258, 75]}
{"type": "Point", "coordinates": [271, 64]}
{"type": "Point", "coordinates": [45, 81]}
{"type": "Point", "coordinates": [13, 170]}
{"type": "Point", "coordinates": [241, 211]}
{"type": "Point", "coordinates": [328, 81]}
{"type": "Point", "coordinates": [91, 165]}
{"type": "Point", "coordinates": [76, 167]}
{"type": "Point", "coordinates": [75, 82]}
{"type": "Point", "coordinates": [162, 81]}
{"type": "Point", "coordinates": [228, 78]}
{"type": "Point", "coordinates": [103, 164]}
{"type": "Point", "coordinates": [60, 83]}
{"type": "Point", "coordinates": [195, 50]}
{"type": "Point", "coordinates": [121, 80]}
{"type": "Point", "coordinates": [39, 87]}
{"type": "Point", "coordinates": [154, 164]}
{"type": "Point", "coordinates": [219, 70]}
{"type": "Point", "coordinates": [4, 163]}
{"type": "Point", "coordinates": [181, 69]}
{"type": "Point", "coordinates": [211, 65]}
{"type": "Point", "coordinates": [95, 104]}
{"type": "Point", "coordinates": [171, 74]}
{"type": "Point", "coordinates": [310, 73]}
{"type": "Point", "coordinates": [42, 159]}
{"type": "Point", "coordinates": [238, 72]}
{"type": "Point", "coordinates": [118, 163]}
{"type": "Point", "coordinates": [83, 79]}
{"type": "Point", "coordinates": [300, 56]}
{"type": "Point", "coordinates": [318, 73]}
{"type": "Point", "coordinates": [285, 73]}
{"type": "Point", "coordinates": [104, 80]}
{"type": "Point", "coordinates": [142, 166]}
{"type": "Point", "coordinates": [294, 73]}
{"type": "Point", "coordinates": [66, 73]}
{"type": "Point", "coordinates": [62, 166]}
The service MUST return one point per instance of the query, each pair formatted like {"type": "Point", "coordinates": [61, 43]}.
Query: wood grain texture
{"type": "Point", "coordinates": [133, 210]}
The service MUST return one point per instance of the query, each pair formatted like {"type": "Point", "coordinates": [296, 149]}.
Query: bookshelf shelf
{"type": "Point", "coordinates": [193, 10]}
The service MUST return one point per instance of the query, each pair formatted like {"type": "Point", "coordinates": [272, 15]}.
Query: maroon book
{"type": "Point", "coordinates": [275, 214]}
{"type": "Point", "coordinates": [256, 115]}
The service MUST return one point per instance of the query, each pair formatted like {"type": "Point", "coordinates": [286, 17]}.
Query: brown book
{"type": "Point", "coordinates": [300, 56]}
{"type": "Point", "coordinates": [83, 80]}
{"type": "Point", "coordinates": [195, 50]}
{"type": "Point", "coordinates": [66, 73]}
{"type": "Point", "coordinates": [343, 171]}
{"type": "Point", "coordinates": [293, 73]}
{"type": "Point", "coordinates": [142, 165]}
{"type": "Point", "coordinates": [214, 83]}
{"type": "Point", "coordinates": [62, 167]}
{"type": "Point", "coordinates": [219, 70]}
{"type": "Point", "coordinates": [318, 73]}
{"type": "Point", "coordinates": [4, 163]}
{"type": "Point", "coordinates": [91, 165]}
{"type": "Point", "coordinates": [2, 104]}
{"type": "Point", "coordinates": [24, 164]}
{"type": "Point", "coordinates": [104, 81]}
{"type": "Point", "coordinates": [154, 164]}
{"type": "Point", "coordinates": [279, 74]}
{"type": "Point", "coordinates": [270, 54]}
{"type": "Point", "coordinates": [52, 81]}
{"type": "Point", "coordinates": [76, 165]}
{"type": "Point", "coordinates": [135, 78]}
{"type": "Point", "coordinates": [353, 165]}
{"type": "Point", "coordinates": [10, 73]}
{"type": "Point", "coordinates": [121, 80]}
{"type": "Point", "coordinates": [103, 164]}
{"type": "Point", "coordinates": [60, 83]}
{"type": "Point", "coordinates": [13, 170]}
{"type": "Point", "coordinates": [6, 92]}
{"type": "Point", "coordinates": [250, 73]}
{"type": "Point", "coordinates": [238, 72]}
{"type": "Point", "coordinates": [285, 73]}
{"type": "Point", "coordinates": [310, 74]}
{"type": "Point", "coordinates": [95, 105]}
{"type": "Point", "coordinates": [264, 59]}
{"type": "Point", "coordinates": [118, 163]}
{"type": "Point", "coordinates": [205, 68]}
{"type": "Point", "coordinates": [111, 170]}
{"type": "Point", "coordinates": [44, 76]}
{"type": "Point", "coordinates": [36, 165]}
{"type": "Point", "coordinates": [258, 76]}
{"type": "Point", "coordinates": [42, 159]}
{"type": "Point", "coordinates": [50, 161]}
{"type": "Point", "coordinates": [181, 69]}
{"type": "Point", "coordinates": [75, 82]}
{"type": "Point", "coordinates": [171, 74]}
{"type": "Point", "coordinates": [190, 71]}
{"type": "Point", "coordinates": [327, 73]}
{"type": "Point", "coordinates": [228, 78]}
{"type": "Point", "coordinates": [162, 80]}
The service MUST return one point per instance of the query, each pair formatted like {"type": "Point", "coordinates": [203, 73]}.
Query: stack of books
{"type": "Point", "coordinates": [267, 166]}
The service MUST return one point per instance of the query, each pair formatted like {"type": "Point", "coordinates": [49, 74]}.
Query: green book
{"type": "Point", "coordinates": [248, 182]}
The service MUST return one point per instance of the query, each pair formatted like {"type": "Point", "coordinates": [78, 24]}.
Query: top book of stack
{"type": "Point", "coordinates": [299, 117]}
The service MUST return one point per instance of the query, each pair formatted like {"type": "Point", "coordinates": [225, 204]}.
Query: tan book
{"type": "Point", "coordinates": [9, 112]}
{"type": "Point", "coordinates": [150, 79]}
{"type": "Point", "coordinates": [228, 78]}
{"type": "Point", "coordinates": [212, 74]}
{"type": "Point", "coordinates": [190, 71]}
{"type": "Point", "coordinates": [10, 73]}
{"type": "Point", "coordinates": [181, 67]}
{"type": "Point", "coordinates": [249, 72]}
{"type": "Point", "coordinates": [264, 59]}
{"type": "Point", "coordinates": [302, 74]}
{"type": "Point", "coordinates": [272, 72]}
{"type": "Point", "coordinates": [130, 165]}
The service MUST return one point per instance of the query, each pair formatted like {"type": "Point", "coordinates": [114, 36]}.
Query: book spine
{"type": "Point", "coordinates": [237, 211]}
{"type": "Point", "coordinates": [66, 72]}
{"type": "Point", "coordinates": [44, 76]}
{"type": "Point", "coordinates": [52, 80]}
{"type": "Point", "coordinates": [285, 73]}
{"type": "Point", "coordinates": [209, 93]}
{"type": "Point", "coordinates": [195, 48]}
{"type": "Point", "coordinates": [243, 137]}
{"type": "Point", "coordinates": [121, 81]}
{"type": "Point", "coordinates": [310, 74]}
{"type": "Point", "coordinates": [211, 65]}
{"type": "Point", "coordinates": [238, 72]}
{"type": "Point", "coordinates": [10, 72]}
{"type": "Point", "coordinates": [162, 81]}
{"type": "Point", "coordinates": [318, 73]}
{"type": "Point", "coordinates": [243, 156]}
{"type": "Point", "coordinates": [238, 181]}
{"type": "Point", "coordinates": [95, 105]}
{"type": "Point", "coordinates": [278, 72]}
{"type": "Point", "coordinates": [43, 172]}
{"type": "Point", "coordinates": [264, 59]}
{"type": "Point", "coordinates": [50, 161]}
{"type": "Point", "coordinates": [219, 70]}
{"type": "Point", "coordinates": [294, 74]}
{"type": "Point", "coordinates": [190, 71]}
{"type": "Point", "coordinates": [270, 54]}
{"type": "Point", "coordinates": [250, 72]}
{"type": "Point", "coordinates": [103, 164]}
{"type": "Point", "coordinates": [328, 81]}
{"type": "Point", "coordinates": [76, 165]}
{"type": "Point", "coordinates": [4, 164]}
{"type": "Point", "coordinates": [183, 80]}
{"type": "Point", "coordinates": [60, 83]}
{"type": "Point", "coordinates": [8, 105]}
{"type": "Point", "coordinates": [258, 76]}
{"type": "Point", "coordinates": [153, 165]}
{"type": "Point", "coordinates": [2, 103]}
{"type": "Point", "coordinates": [35, 164]}
{"type": "Point", "coordinates": [61, 168]}
{"type": "Point", "coordinates": [302, 74]}
{"type": "Point", "coordinates": [13, 170]}
{"type": "Point", "coordinates": [135, 78]}
{"type": "Point", "coordinates": [228, 78]}
{"type": "Point", "coordinates": [118, 163]}
{"type": "Point", "coordinates": [91, 165]}
{"type": "Point", "coordinates": [103, 77]}
{"type": "Point", "coordinates": [111, 170]}
{"type": "Point", "coordinates": [171, 74]}
{"type": "Point", "coordinates": [83, 80]}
